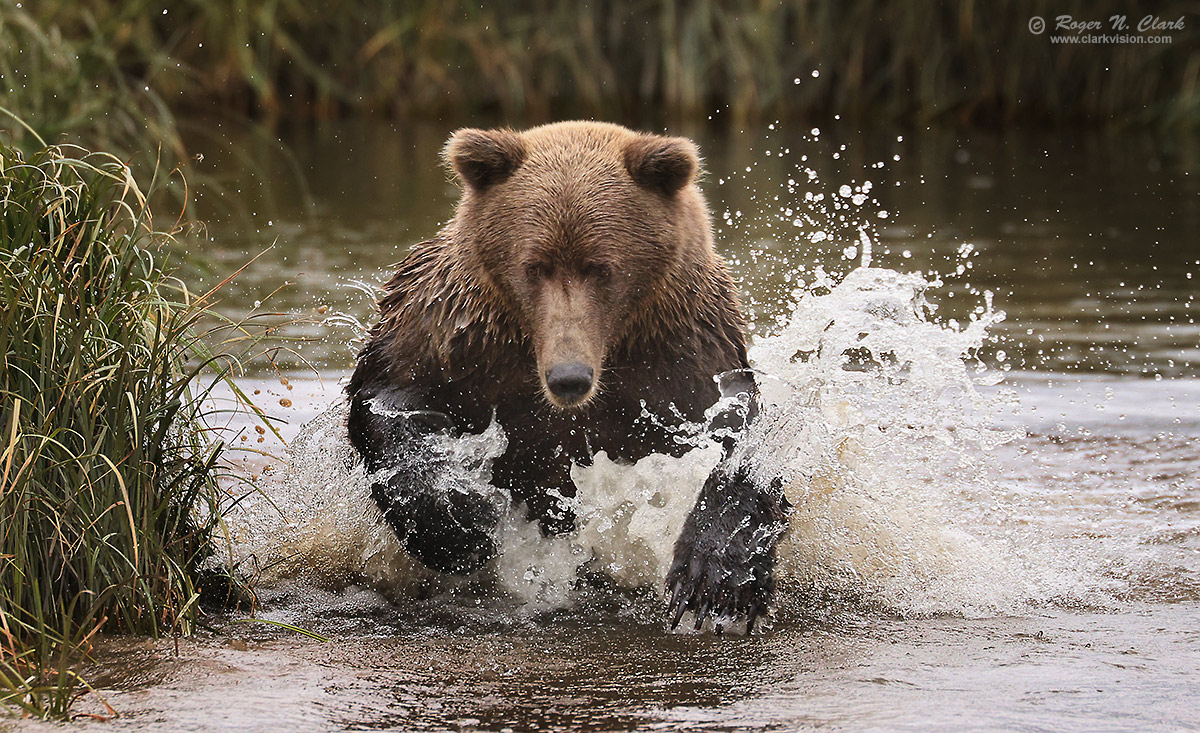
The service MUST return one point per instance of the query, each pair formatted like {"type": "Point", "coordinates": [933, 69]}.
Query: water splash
{"type": "Point", "coordinates": [871, 410]}
{"type": "Point", "coordinates": [319, 523]}
{"type": "Point", "coordinates": [872, 413]}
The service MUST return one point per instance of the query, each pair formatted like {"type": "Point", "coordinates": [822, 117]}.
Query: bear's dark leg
{"type": "Point", "coordinates": [440, 515]}
{"type": "Point", "coordinates": [725, 556]}
{"type": "Point", "coordinates": [544, 487]}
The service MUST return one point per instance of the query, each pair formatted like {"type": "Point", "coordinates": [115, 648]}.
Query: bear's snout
{"type": "Point", "coordinates": [569, 383]}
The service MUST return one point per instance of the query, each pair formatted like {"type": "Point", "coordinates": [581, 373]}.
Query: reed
{"type": "Point", "coordinates": [109, 472]}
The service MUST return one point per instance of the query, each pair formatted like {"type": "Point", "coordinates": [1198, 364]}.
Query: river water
{"type": "Point", "coordinates": [997, 519]}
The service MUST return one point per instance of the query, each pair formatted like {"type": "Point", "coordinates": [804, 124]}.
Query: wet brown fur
{"type": "Point", "coordinates": [592, 217]}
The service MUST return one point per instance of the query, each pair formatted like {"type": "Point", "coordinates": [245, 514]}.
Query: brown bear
{"type": "Point", "coordinates": [576, 299]}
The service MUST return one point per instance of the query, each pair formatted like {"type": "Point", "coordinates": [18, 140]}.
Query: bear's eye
{"type": "Point", "coordinates": [537, 271]}
{"type": "Point", "coordinates": [597, 270]}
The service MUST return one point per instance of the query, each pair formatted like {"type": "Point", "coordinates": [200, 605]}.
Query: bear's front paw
{"type": "Point", "coordinates": [725, 558]}
{"type": "Point", "coordinates": [728, 586]}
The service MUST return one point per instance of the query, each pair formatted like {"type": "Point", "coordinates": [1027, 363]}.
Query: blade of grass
{"type": "Point", "coordinates": [282, 625]}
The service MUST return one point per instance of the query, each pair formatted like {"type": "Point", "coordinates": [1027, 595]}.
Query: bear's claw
{"type": "Point", "coordinates": [725, 557]}
{"type": "Point", "coordinates": [708, 597]}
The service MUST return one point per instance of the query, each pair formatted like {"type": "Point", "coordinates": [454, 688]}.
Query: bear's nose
{"type": "Point", "coordinates": [569, 382]}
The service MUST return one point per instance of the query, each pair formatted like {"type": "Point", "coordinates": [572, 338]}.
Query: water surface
{"type": "Point", "coordinates": [1027, 560]}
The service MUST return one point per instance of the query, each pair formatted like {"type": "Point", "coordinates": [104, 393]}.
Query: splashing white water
{"type": "Point", "coordinates": [628, 517]}
{"type": "Point", "coordinates": [870, 411]}
{"type": "Point", "coordinates": [321, 524]}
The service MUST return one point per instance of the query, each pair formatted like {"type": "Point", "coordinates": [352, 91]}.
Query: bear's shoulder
{"type": "Point", "coordinates": [439, 320]}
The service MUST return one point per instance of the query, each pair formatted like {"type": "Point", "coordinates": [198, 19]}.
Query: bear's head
{"type": "Point", "coordinates": [581, 229]}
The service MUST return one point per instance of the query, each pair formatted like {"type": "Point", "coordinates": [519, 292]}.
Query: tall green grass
{"type": "Point", "coordinates": [109, 490]}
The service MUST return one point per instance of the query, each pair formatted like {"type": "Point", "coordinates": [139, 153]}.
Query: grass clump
{"type": "Point", "coordinates": [109, 474]}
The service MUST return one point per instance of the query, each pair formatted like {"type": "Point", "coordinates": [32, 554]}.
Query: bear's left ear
{"type": "Point", "coordinates": [484, 157]}
{"type": "Point", "coordinates": [664, 164]}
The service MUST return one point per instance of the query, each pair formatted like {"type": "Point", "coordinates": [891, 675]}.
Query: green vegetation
{"type": "Point", "coordinates": [111, 67]}
{"type": "Point", "coordinates": [66, 72]}
{"type": "Point", "coordinates": [109, 492]}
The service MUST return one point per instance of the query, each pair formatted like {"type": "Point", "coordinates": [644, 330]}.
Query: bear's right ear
{"type": "Point", "coordinates": [664, 164]}
{"type": "Point", "coordinates": [484, 157]}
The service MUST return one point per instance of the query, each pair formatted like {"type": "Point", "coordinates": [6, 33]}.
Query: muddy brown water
{"type": "Point", "coordinates": [1086, 242]}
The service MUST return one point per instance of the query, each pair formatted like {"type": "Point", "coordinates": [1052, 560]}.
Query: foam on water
{"type": "Point", "coordinates": [870, 411]}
